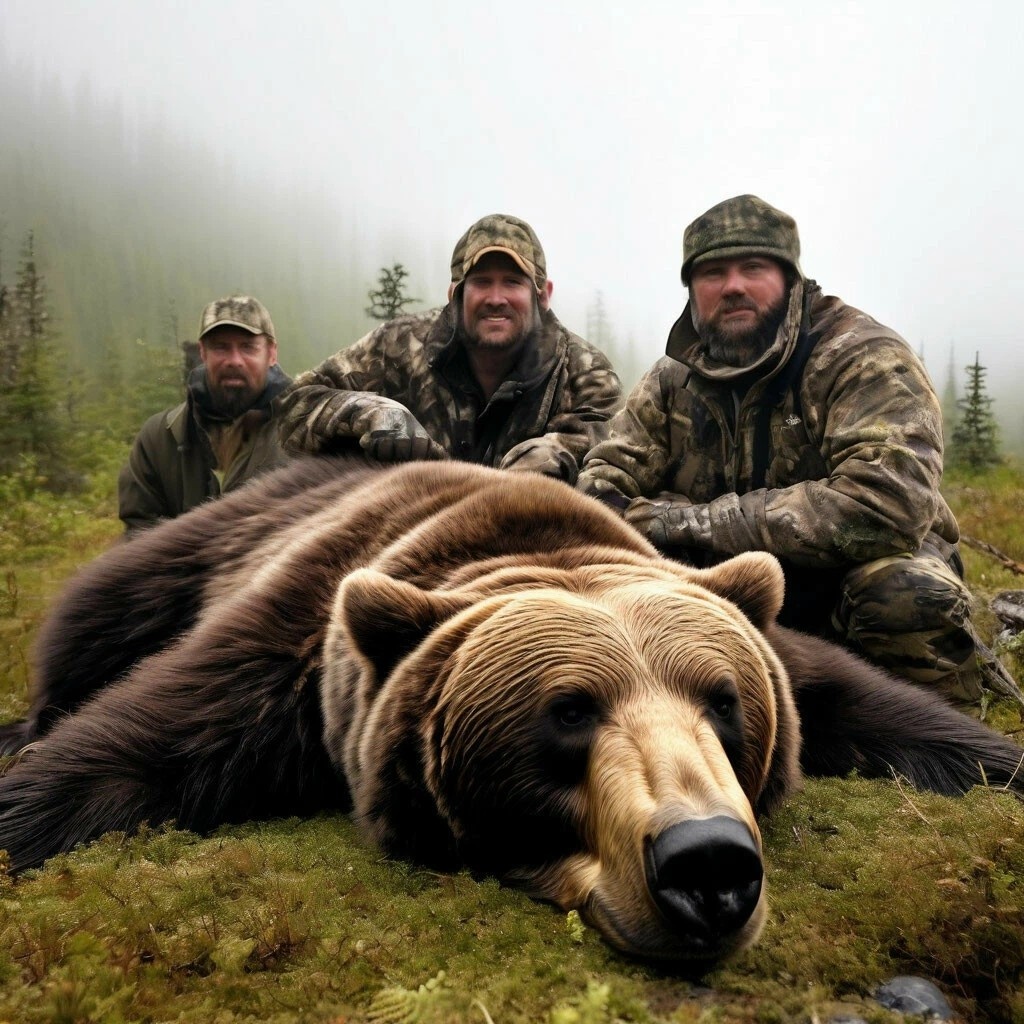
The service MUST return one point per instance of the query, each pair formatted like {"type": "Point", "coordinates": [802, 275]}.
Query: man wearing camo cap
{"type": "Point", "coordinates": [222, 434]}
{"type": "Point", "coordinates": [783, 420]}
{"type": "Point", "coordinates": [491, 378]}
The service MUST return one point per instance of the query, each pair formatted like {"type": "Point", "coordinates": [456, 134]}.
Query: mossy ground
{"type": "Point", "coordinates": [303, 921]}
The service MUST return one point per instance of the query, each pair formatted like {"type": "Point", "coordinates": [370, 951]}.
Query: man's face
{"type": "Point", "coordinates": [236, 366]}
{"type": "Point", "coordinates": [499, 303]}
{"type": "Point", "coordinates": [740, 304]}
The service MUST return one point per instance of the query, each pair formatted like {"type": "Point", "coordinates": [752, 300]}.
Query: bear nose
{"type": "Point", "coordinates": [705, 876]}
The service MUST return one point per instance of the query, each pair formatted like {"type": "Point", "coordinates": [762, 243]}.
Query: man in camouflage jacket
{"type": "Point", "coordinates": [222, 434]}
{"type": "Point", "coordinates": [783, 420]}
{"type": "Point", "coordinates": [491, 378]}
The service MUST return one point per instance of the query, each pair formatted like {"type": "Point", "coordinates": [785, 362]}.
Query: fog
{"type": "Point", "coordinates": [890, 131]}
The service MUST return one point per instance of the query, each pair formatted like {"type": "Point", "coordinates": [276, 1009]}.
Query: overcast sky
{"type": "Point", "coordinates": [892, 131]}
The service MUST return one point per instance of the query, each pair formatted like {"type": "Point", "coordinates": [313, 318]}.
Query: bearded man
{"type": "Point", "coordinates": [222, 434]}
{"type": "Point", "coordinates": [784, 420]}
{"type": "Point", "coordinates": [491, 378]}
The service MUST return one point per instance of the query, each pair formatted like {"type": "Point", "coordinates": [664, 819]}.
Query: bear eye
{"type": "Point", "coordinates": [572, 715]}
{"type": "Point", "coordinates": [575, 711]}
{"type": "Point", "coordinates": [723, 703]}
{"type": "Point", "coordinates": [724, 712]}
{"type": "Point", "coordinates": [723, 707]}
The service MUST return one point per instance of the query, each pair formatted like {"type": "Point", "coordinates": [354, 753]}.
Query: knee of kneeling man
{"type": "Point", "coordinates": [912, 616]}
{"type": "Point", "coordinates": [903, 594]}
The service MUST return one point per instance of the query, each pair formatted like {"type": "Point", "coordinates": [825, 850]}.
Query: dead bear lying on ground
{"type": "Point", "coordinates": [487, 669]}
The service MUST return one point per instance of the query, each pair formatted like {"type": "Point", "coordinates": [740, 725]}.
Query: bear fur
{"type": "Point", "coordinates": [486, 669]}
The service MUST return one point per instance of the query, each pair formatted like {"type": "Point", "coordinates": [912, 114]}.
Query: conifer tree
{"type": "Point", "coordinates": [155, 379]}
{"type": "Point", "coordinates": [137, 379]}
{"type": "Point", "coordinates": [171, 326]}
{"type": "Point", "coordinates": [975, 436]}
{"type": "Point", "coordinates": [949, 398]}
{"type": "Point", "coordinates": [602, 334]}
{"type": "Point", "coordinates": [599, 327]}
{"type": "Point", "coordinates": [31, 422]}
{"type": "Point", "coordinates": [6, 362]}
{"type": "Point", "coordinates": [389, 300]}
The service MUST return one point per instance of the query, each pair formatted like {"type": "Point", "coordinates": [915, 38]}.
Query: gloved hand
{"type": "Point", "coordinates": [605, 492]}
{"type": "Point", "coordinates": [662, 520]}
{"type": "Point", "coordinates": [538, 456]}
{"type": "Point", "coordinates": [386, 430]}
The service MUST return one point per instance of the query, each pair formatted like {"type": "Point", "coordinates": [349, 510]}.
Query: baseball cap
{"type": "Point", "coordinates": [499, 232]}
{"type": "Point", "coordinates": [237, 311]}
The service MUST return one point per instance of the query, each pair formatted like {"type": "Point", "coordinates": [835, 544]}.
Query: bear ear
{"type": "Point", "coordinates": [386, 618]}
{"type": "Point", "coordinates": [753, 581]}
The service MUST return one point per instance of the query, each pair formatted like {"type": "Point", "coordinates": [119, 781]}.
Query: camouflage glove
{"type": "Point", "coordinates": [537, 456]}
{"type": "Point", "coordinates": [386, 430]}
{"type": "Point", "coordinates": [664, 521]}
{"type": "Point", "coordinates": [605, 492]}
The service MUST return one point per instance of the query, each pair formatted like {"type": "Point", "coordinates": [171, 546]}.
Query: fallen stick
{"type": "Point", "coordinates": [1000, 556]}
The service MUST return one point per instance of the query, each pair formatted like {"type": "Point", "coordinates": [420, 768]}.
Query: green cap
{"type": "Point", "coordinates": [237, 311]}
{"type": "Point", "coordinates": [742, 226]}
{"type": "Point", "coordinates": [500, 233]}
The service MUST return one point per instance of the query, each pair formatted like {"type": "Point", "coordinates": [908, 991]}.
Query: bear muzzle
{"type": "Point", "coordinates": [705, 876]}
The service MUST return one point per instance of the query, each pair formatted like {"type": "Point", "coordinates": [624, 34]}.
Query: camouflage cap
{"type": "Point", "coordinates": [237, 311]}
{"type": "Point", "coordinates": [500, 233]}
{"type": "Point", "coordinates": [743, 225]}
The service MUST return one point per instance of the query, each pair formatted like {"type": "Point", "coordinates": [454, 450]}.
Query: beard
{"type": "Point", "coordinates": [233, 401]}
{"type": "Point", "coordinates": [742, 346]}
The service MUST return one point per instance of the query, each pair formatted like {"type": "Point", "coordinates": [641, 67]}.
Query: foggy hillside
{"type": "Point", "coordinates": [137, 228]}
{"type": "Point", "coordinates": [138, 224]}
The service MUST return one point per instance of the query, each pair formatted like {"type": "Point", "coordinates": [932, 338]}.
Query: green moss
{"type": "Point", "coordinates": [300, 920]}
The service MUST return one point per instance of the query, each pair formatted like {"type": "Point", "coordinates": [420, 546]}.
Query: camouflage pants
{"type": "Point", "coordinates": [909, 614]}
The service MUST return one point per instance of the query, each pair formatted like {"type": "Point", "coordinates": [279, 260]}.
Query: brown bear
{"type": "Point", "coordinates": [488, 669]}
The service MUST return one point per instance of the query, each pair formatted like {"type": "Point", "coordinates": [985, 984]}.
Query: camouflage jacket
{"type": "Point", "coordinates": [171, 467]}
{"type": "Point", "coordinates": [850, 458]}
{"type": "Point", "coordinates": [549, 412]}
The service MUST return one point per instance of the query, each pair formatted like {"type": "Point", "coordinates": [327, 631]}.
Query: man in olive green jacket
{"type": "Point", "coordinates": [783, 420]}
{"type": "Point", "coordinates": [491, 378]}
{"type": "Point", "coordinates": [222, 434]}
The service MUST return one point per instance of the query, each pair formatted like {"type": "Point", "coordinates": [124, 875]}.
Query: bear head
{"type": "Point", "coordinates": [599, 735]}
